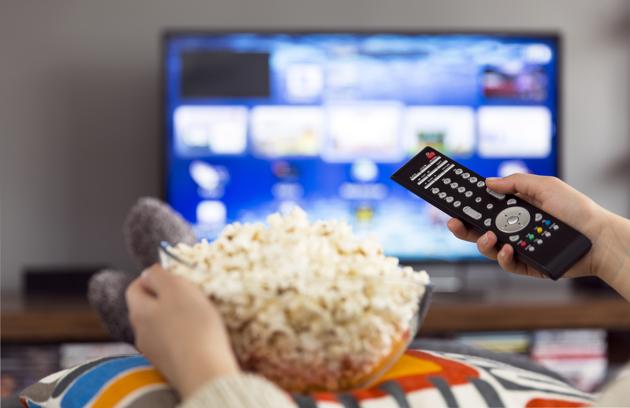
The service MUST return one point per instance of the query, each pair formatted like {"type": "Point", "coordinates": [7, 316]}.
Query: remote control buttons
{"type": "Point", "coordinates": [442, 194]}
{"type": "Point", "coordinates": [511, 201]}
{"type": "Point", "coordinates": [531, 236]}
{"type": "Point", "coordinates": [546, 223]}
{"type": "Point", "coordinates": [456, 204]}
{"type": "Point", "coordinates": [555, 227]}
{"type": "Point", "coordinates": [538, 217]}
{"type": "Point", "coordinates": [468, 194]}
{"type": "Point", "coordinates": [461, 189]}
{"type": "Point", "coordinates": [477, 199]}
{"type": "Point", "coordinates": [531, 249]}
{"type": "Point", "coordinates": [512, 219]}
{"type": "Point", "coordinates": [546, 234]}
{"type": "Point", "coordinates": [539, 230]}
{"type": "Point", "coordinates": [449, 199]}
{"type": "Point", "coordinates": [435, 190]}
{"type": "Point", "coordinates": [465, 175]}
{"type": "Point", "coordinates": [458, 171]}
{"type": "Point", "coordinates": [454, 185]}
{"type": "Point", "coordinates": [473, 180]}
{"type": "Point", "coordinates": [489, 206]}
{"type": "Point", "coordinates": [480, 184]}
{"type": "Point", "coordinates": [539, 241]}
{"type": "Point", "coordinates": [475, 215]}
{"type": "Point", "coordinates": [494, 194]}
{"type": "Point", "coordinates": [487, 222]}
{"type": "Point", "coordinates": [514, 238]}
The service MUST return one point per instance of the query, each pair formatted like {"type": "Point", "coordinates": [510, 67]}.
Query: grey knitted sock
{"type": "Point", "coordinates": [149, 222]}
{"type": "Point", "coordinates": [106, 294]}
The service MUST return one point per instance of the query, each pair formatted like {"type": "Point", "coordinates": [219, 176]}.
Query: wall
{"type": "Point", "coordinates": [79, 102]}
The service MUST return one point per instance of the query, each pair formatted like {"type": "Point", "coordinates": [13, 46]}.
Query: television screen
{"type": "Point", "coordinates": [262, 122]}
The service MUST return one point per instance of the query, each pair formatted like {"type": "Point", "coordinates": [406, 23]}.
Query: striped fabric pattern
{"type": "Point", "coordinates": [125, 381]}
{"type": "Point", "coordinates": [421, 378]}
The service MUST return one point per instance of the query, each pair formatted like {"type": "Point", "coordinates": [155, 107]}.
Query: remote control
{"type": "Point", "coordinates": [538, 239]}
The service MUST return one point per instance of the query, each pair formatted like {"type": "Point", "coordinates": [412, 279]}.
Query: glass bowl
{"type": "Point", "coordinates": [399, 346]}
{"type": "Point", "coordinates": [362, 378]}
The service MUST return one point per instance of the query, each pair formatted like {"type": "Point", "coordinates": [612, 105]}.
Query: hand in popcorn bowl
{"type": "Point", "coordinates": [308, 305]}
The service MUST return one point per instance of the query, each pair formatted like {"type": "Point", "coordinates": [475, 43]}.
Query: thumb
{"type": "Point", "coordinates": [161, 282]}
{"type": "Point", "coordinates": [526, 184]}
{"type": "Point", "coordinates": [157, 280]}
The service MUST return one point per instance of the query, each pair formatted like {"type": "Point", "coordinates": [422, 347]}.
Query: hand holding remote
{"type": "Point", "coordinates": [533, 225]}
{"type": "Point", "coordinates": [605, 230]}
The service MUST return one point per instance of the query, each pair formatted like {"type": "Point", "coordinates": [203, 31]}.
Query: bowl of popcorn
{"type": "Point", "coordinates": [310, 306]}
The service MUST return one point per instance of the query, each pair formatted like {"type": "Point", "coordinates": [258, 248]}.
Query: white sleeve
{"type": "Point", "coordinates": [236, 391]}
{"type": "Point", "coordinates": [616, 393]}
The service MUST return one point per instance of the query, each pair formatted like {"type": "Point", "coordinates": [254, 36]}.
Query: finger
{"type": "Point", "coordinates": [526, 185]}
{"type": "Point", "coordinates": [515, 183]}
{"type": "Point", "coordinates": [460, 231]}
{"type": "Point", "coordinates": [139, 301]}
{"type": "Point", "coordinates": [486, 243]}
{"type": "Point", "coordinates": [505, 257]}
{"type": "Point", "coordinates": [162, 282]}
{"type": "Point", "coordinates": [156, 279]}
{"type": "Point", "coordinates": [532, 200]}
{"type": "Point", "coordinates": [506, 260]}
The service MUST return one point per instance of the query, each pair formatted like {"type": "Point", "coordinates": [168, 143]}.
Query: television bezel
{"type": "Point", "coordinates": [170, 33]}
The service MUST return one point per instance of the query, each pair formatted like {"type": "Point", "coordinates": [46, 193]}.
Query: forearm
{"type": "Point", "coordinates": [614, 259]}
{"type": "Point", "coordinates": [237, 391]}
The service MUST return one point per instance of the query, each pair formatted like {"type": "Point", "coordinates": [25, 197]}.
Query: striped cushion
{"type": "Point", "coordinates": [129, 381]}
{"type": "Point", "coordinates": [421, 378]}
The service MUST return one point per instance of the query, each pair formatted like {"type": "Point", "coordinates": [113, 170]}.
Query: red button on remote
{"type": "Point", "coordinates": [523, 244]}
{"type": "Point", "coordinates": [430, 155]}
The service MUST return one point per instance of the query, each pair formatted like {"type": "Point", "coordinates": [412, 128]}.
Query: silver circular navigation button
{"type": "Point", "coordinates": [512, 219]}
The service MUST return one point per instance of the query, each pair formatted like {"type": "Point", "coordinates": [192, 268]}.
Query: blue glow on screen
{"type": "Point", "coordinates": [258, 123]}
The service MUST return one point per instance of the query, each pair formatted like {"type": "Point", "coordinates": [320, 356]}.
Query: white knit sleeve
{"type": "Point", "coordinates": [236, 391]}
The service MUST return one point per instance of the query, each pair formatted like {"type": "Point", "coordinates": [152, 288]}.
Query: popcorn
{"type": "Point", "coordinates": [308, 305]}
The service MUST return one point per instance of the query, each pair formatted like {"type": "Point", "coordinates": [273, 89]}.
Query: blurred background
{"type": "Point", "coordinates": [82, 127]}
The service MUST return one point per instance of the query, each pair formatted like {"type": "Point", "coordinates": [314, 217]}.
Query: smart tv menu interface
{"type": "Point", "coordinates": [259, 123]}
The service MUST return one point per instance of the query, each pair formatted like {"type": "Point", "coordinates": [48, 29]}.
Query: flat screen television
{"type": "Point", "coordinates": [259, 122]}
